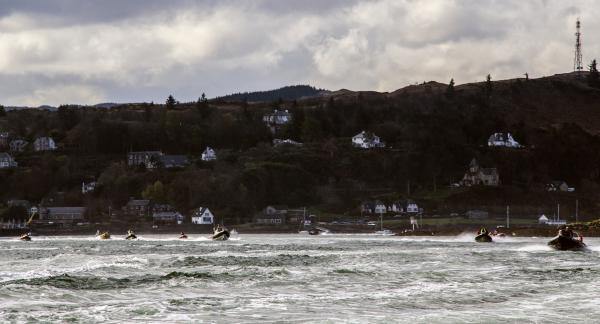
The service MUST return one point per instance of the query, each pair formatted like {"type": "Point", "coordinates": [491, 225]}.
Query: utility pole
{"type": "Point", "coordinates": [507, 216]}
{"type": "Point", "coordinates": [576, 210]}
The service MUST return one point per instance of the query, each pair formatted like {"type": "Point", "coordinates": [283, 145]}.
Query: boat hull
{"type": "Point", "coordinates": [483, 238]}
{"type": "Point", "coordinates": [221, 236]}
{"type": "Point", "coordinates": [562, 243]}
{"type": "Point", "coordinates": [131, 237]}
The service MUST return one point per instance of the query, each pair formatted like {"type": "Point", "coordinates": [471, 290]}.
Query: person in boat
{"type": "Point", "coordinates": [182, 235]}
{"type": "Point", "coordinates": [483, 231]}
{"type": "Point", "coordinates": [97, 232]}
{"type": "Point", "coordinates": [566, 232]}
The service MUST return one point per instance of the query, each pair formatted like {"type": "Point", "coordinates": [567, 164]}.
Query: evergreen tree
{"type": "Point", "coordinates": [170, 103]}
{"type": "Point", "coordinates": [450, 89]}
{"type": "Point", "coordinates": [488, 85]}
{"type": "Point", "coordinates": [594, 76]}
{"type": "Point", "coordinates": [2, 111]}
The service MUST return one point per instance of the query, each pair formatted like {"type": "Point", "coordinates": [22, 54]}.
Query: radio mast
{"type": "Point", "coordinates": [577, 65]}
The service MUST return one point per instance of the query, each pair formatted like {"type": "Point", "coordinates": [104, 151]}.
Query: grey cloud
{"type": "Point", "coordinates": [69, 51]}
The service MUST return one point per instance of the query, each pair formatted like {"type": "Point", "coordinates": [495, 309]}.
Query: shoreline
{"type": "Point", "coordinates": [584, 230]}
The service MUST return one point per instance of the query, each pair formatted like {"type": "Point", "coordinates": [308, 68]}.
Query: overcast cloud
{"type": "Point", "coordinates": [86, 52]}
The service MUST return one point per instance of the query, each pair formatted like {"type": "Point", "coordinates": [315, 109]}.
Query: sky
{"type": "Point", "coordinates": [85, 52]}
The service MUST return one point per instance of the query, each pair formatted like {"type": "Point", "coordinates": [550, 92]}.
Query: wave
{"type": "Point", "coordinates": [66, 281]}
{"type": "Point", "coordinates": [262, 261]}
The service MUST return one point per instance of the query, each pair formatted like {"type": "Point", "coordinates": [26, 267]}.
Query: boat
{"type": "Point", "coordinates": [233, 232]}
{"type": "Point", "coordinates": [385, 232]}
{"type": "Point", "coordinates": [104, 236]}
{"type": "Point", "coordinates": [567, 240]}
{"type": "Point", "coordinates": [25, 237]}
{"type": "Point", "coordinates": [317, 230]}
{"type": "Point", "coordinates": [182, 236]}
{"type": "Point", "coordinates": [130, 235]}
{"type": "Point", "coordinates": [483, 236]}
{"type": "Point", "coordinates": [220, 234]}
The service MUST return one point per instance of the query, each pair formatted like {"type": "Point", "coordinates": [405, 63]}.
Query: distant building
{"type": "Point", "coordinates": [149, 159]}
{"type": "Point", "coordinates": [203, 216]}
{"type": "Point", "coordinates": [411, 207]}
{"type": "Point", "coordinates": [477, 214]}
{"type": "Point", "coordinates": [367, 140]}
{"type": "Point", "coordinates": [543, 219]}
{"type": "Point", "coordinates": [7, 161]}
{"type": "Point", "coordinates": [137, 207]}
{"type": "Point", "coordinates": [476, 175]}
{"type": "Point", "coordinates": [209, 154]}
{"type": "Point", "coordinates": [44, 144]}
{"type": "Point", "coordinates": [61, 215]}
{"type": "Point", "coordinates": [558, 185]}
{"type": "Point", "coordinates": [3, 140]}
{"type": "Point", "coordinates": [167, 218]}
{"type": "Point", "coordinates": [279, 142]}
{"type": "Point", "coordinates": [18, 145]}
{"type": "Point", "coordinates": [395, 207]}
{"type": "Point", "coordinates": [374, 207]}
{"type": "Point", "coordinates": [272, 215]}
{"type": "Point", "coordinates": [503, 139]}
{"type": "Point", "coordinates": [277, 118]}
{"type": "Point", "coordinates": [88, 187]}
{"type": "Point", "coordinates": [174, 161]}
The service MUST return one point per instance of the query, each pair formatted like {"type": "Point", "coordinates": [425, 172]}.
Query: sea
{"type": "Point", "coordinates": [294, 278]}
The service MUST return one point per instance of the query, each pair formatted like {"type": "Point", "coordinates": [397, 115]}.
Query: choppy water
{"type": "Point", "coordinates": [293, 278]}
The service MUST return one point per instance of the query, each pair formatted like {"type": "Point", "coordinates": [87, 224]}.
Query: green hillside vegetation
{"type": "Point", "coordinates": [431, 130]}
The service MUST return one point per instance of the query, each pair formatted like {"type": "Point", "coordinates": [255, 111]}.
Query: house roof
{"type": "Point", "coordinates": [65, 210]}
{"type": "Point", "coordinates": [200, 211]}
{"type": "Point", "coordinates": [146, 153]}
{"type": "Point", "coordinates": [281, 113]}
{"type": "Point", "coordinates": [5, 156]}
{"type": "Point", "coordinates": [174, 159]}
{"type": "Point", "coordinates": [558, 183]}
{"type": "Point", "coordinates": [500, 137]}
{"type": "Point", "coordinates": [489, 171]}
{"type": "Point", "coordinates": [138, 202]}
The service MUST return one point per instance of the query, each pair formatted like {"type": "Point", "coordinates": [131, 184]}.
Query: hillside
{"type": "Point", "coordinates": [285, 93]}
{"type": "Point", "coordinates": [431, 134]}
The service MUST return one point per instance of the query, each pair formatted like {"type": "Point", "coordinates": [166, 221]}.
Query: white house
{"type": "Point", "coordinates": [367, 140]}
{"type": "Point", "coordinates": [17, 145]}
{"type": "Point", "coordinates": [395, 207]}
{"type": "Point", "coordinates": [149, 159]}
{"type": "Point", "coordinates": [209, 154]}
{"type": "Point", "coordinates": [7, 161]}
{"type": "Point", "coordinates": [203, 216]}
{"type": "Point", "coordinates": [374, 207]}
{"type": "Point", "coordinates": [543, 219]}
{"type": "Point", "coordinates": [279, 142]}
{"type": "Point", "coordinates": [44, 144]}
{"type": "Point", "coordinates": [412, 207]}
{"type": "Point", "coordinates": [278, 117]}
{"type": "Point", "coordinates": [503, 139]}
{"type": "Point", "coordinates": [88, 187]}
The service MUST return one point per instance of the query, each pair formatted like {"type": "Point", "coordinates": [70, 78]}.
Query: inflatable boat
{"type": "Point", "coordinates": [566, 243]}
{"type": "Point", "coordinates": [221, 235]}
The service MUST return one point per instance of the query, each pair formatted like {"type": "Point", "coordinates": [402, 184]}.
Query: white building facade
{"type": "Point", "coordinates": [203, 216]}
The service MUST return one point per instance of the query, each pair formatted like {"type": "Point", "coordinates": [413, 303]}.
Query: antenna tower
{"type": "Point", "coordinates": [577, 65]}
